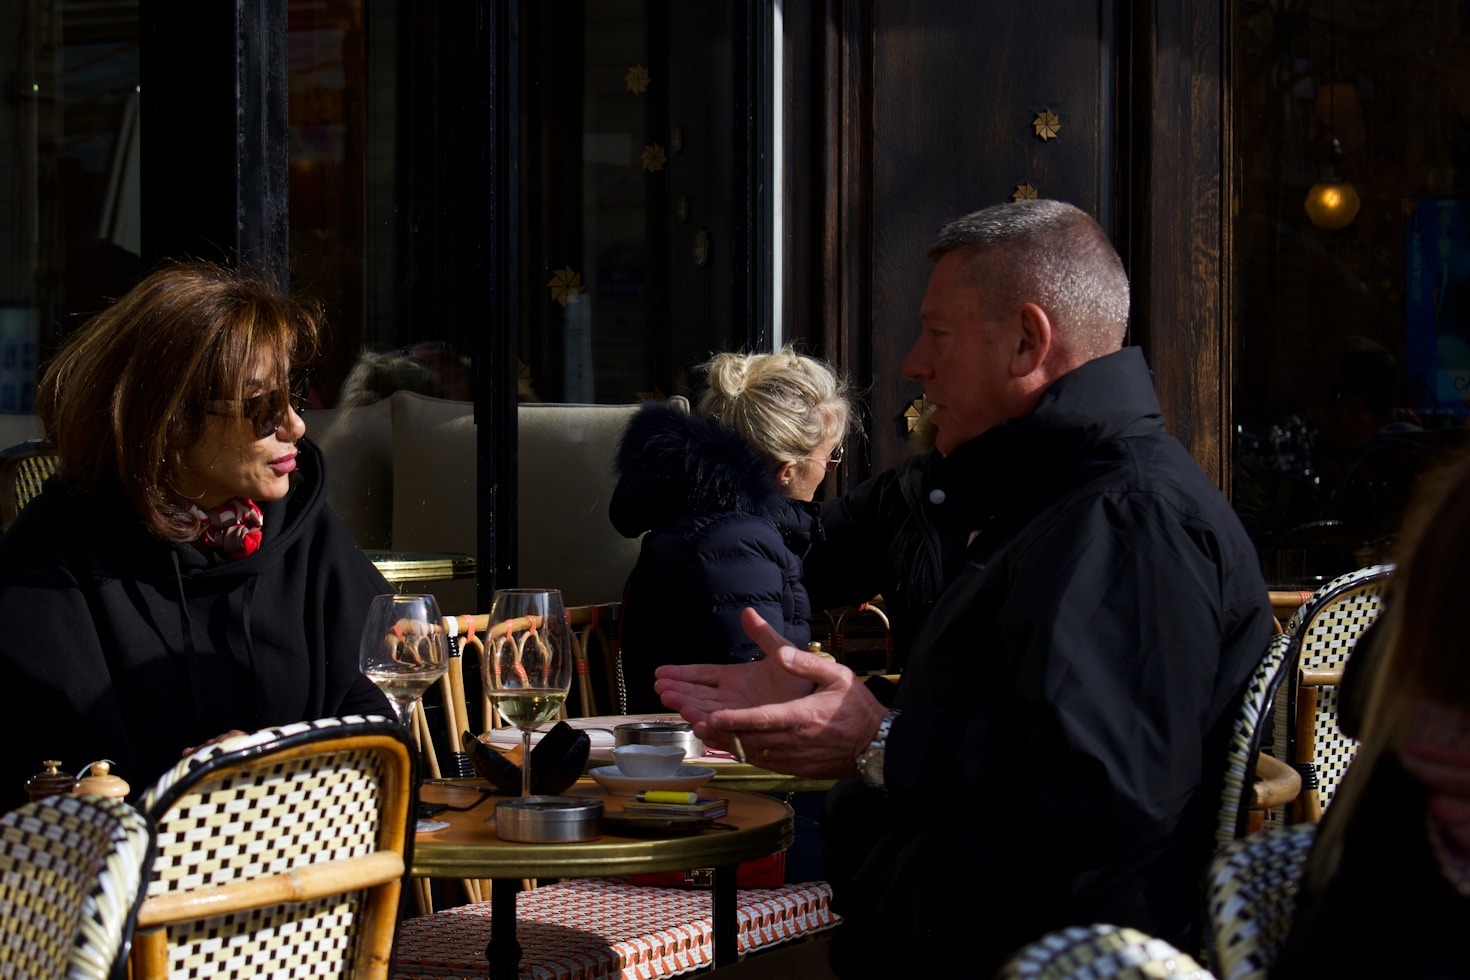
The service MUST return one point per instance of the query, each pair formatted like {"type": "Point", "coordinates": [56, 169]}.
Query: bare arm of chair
{"type": "Point", "coordinates": [1322, 678]}
{"type": "Point", "coordinates": [1283, 604]}
{"type": "Point", "coordinates": [1277, 784]}
{"type": "Point", "coordinates": [298, 885]}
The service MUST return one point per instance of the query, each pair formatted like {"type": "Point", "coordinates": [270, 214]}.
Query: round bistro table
{"type": "Point", "coordinates": [469, 848]}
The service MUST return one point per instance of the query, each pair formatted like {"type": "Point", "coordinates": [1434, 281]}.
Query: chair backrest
{"type": "Point", "coordinates": [859, 636]}
{"type": "Point", "coordinates": [71, 871]}
{"type": "Point", "coordinates": [1250, 895]}
{"type": "Point", "coordinates": [285, 849]}
{"type": "Point", "coordinates": [1251, 725]}
{"type": "Point", "coordinates": [1100, 952]}
{"type": "Point", "coordinates": [594, 638]}
{"type": "Point", "coordinates": [1323, 633]}
{"type": "Point", "coordinates": [23, 468]}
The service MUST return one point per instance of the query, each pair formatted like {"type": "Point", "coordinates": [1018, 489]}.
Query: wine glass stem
{"type": "Point", "coordinates": [405, 712]}
{"type": "Point", "coordinates": [525, 762]}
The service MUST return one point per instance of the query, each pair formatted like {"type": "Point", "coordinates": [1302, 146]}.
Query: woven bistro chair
{"type": "Point", "coordinates": [1101, 952]}
{"type": "Point", "coordinates": [71, 871]}
{"type": "Point", "coordinates": [1256, 783]}
{"type": "Point", "coordinates": [280, 852]}
{"type": "Point", "coordinates": [1250, 895]}
{"type": "Point", "coordinates": [1324, 631]}
{"type": "Point", "coordinates": [23, 468]}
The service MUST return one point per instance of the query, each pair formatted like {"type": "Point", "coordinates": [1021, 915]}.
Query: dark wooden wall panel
{"type": "Point", "coordinates": [1179, 233]}
{"type": "Point", "coordinates": [955, 88]}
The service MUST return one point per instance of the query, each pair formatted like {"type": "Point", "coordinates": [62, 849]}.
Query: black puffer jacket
{"type": "Point", "coordinates": [720, 537]}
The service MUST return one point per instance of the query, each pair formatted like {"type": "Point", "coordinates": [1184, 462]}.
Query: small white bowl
{"type": "Point", "coordinates": [649, 761]}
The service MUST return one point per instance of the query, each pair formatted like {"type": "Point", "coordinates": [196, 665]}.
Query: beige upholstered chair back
{"type": "Point", "coordinates": [566, 483]}
{"type": "Point", "coordinates": [402, 474]}
{"type": "Point", "coordinates": [279, 852]}
{"type": "Point", "coordinates": [71, 868]}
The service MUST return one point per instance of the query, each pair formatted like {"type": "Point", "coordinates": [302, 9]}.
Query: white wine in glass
{"type": "Point", "coordinates": [403, 648]}
{"type": "Point", "coordinates": [403, 652]}
{"type": "Point", "coordinates": [527, 667]}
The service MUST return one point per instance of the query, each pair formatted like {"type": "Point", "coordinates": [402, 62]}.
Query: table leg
{"type": "Point", "coordinates": [503, 952]}
{"type": "Point", "coordinates": [725, 922]}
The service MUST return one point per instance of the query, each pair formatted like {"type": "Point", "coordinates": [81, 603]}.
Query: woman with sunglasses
{"type": "Point", "coordinates": [182, 575]}
{"type": "Point", "coordinates": [725, 496]}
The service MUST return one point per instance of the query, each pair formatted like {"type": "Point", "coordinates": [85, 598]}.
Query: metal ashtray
{"type": "Point", "coordinates": [548, 819]}
{"type": "Point", "coordinates": [679, 733]}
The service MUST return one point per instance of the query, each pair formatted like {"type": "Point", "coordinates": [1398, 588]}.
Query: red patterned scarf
{"type": "Point", "coordinates": [1437, 754]}
{"type": "Point", "coordinates": [231, 530]}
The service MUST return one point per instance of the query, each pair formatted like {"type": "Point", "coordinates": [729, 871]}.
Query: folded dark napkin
{"type": "Point", "coordinates": [557, 761]}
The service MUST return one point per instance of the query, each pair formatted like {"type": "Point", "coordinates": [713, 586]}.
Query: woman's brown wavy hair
{"type": "Point", "coordinates": [126, 394]}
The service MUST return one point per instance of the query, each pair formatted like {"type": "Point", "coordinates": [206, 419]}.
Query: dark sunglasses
{"type": "Point", "coordinates": [266, 412]}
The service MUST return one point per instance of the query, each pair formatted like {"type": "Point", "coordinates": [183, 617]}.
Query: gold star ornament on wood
{"type": "Point", "coordinates": [637, 79]}
{"type": "Point", "coordinates": [565, 285]}
{"type": "Point", "coordinates": [1024, 192]}
{"type": "Point", "coordinates": [654, 158]}
{"type": "Point", "coordinates": [1046, 124]}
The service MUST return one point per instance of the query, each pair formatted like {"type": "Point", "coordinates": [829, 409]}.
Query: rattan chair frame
{"type": "Point", "coordinates": [1250, 895]}
{"type": "Point", "coordinates": [1246, 738]}
{"type": "Point", "coordinates": [1101, 952]}
{"type": "Point", "coordinates": [285, 848]}
{"type": "Point", "coordinates": [1324, 632]}
{"type": "Point", "coordinates": [24, 467]}
{"type": "Point", "coordinates": [71, 876]}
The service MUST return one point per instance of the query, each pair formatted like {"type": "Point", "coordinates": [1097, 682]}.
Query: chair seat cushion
{"type": "Point", "coordinates": [606, 927]}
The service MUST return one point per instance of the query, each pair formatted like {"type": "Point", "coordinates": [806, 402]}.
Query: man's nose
{"type": "Point", "coordinates": [916, 362]}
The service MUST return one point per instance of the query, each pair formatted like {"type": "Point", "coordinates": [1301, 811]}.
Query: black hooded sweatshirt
{"type": "Point", "coordinates": [124, 647]}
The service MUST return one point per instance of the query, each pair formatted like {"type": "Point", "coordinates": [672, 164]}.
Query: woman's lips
{"type": "Point", "coordinates": [283, 465]}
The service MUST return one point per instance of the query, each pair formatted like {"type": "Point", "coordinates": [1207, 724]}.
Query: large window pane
{"type": "Point", "coordinates": [1352, 368]}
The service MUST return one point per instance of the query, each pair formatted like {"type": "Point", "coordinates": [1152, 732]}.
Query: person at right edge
{"type": "Point", "coordinates": [1057, 750]}
{"type": "Point", "coordinates": [1386, 889]}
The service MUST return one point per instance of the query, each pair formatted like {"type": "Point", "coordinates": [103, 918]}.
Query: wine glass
{"type": "Point", "coordinates": [527, 667]}
{"type": "Point", "coordinates": [403, 648]}
{"type": "Point", "coordinates": [403, 652]}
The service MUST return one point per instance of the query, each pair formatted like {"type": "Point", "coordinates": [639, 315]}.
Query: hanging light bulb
{"type": "Point", "coordinates": [1332, 203]}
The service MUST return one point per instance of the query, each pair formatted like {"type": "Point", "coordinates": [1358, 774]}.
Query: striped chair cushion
{"type": "Point", "coordinates": [605, 927]}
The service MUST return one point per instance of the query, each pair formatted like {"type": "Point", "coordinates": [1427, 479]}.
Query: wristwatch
{"type": "Point", "coordinates": [870, 760]}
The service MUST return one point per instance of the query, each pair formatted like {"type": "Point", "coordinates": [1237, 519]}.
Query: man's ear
{"type": "Point", "coordinates": [1033, 341]}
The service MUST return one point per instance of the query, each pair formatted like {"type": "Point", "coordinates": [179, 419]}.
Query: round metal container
{"type": "Point", "coordinates": [679, 733]}
{"type": "Point", "coordinates": [548, 819]}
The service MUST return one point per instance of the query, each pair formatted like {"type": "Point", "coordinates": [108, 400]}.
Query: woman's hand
{"type": "Point", "coordinates": [791, 712]}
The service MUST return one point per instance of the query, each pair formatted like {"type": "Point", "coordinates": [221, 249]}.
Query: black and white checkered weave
{"type": "Point", "coordinates": [70, 872]}
{"type": "Point", "coordinates": [1251, 895]}
{"type": "Point", "coordinates": [1101, 952]}
{"type": "Point", "coordinates": [1325, 629]}
{"type": "Point", "coordinates": [1247, 736]}
{"type": "Point", "coordinates": [251, 807]}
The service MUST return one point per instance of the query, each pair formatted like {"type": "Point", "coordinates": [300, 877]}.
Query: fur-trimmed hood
{"type": "Point", "coordinates": [672, 464]}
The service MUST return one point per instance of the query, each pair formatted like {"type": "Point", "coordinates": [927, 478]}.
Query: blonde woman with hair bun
{"type": "Point", "coordinates": [723, 498]}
